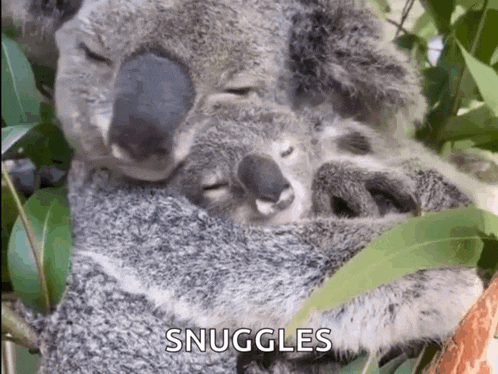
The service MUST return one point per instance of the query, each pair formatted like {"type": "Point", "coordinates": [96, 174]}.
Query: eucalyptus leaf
{"type": "Point", "coordinates": [361, 365]}
{"type": "Point", "coordinates": [9, 215]}
{"type": "Point", "coordinates": [424, 27]}
{"type": "Point", "coordinates": [488, 262]}
{"type": "Point", "coordinates": [47, 145]}
{"type": "Point", "coordinates": [485, 78]}
{"type": "Point", "coordinates": [20, 103]}
{"type": "Point", "coordinates": [494, 57]}
{"type": "Point", "coordinates": [467, 27]}
{"type": "Point", "coordinates": [13, 134]}
{"type": "Point", "coordinates": [485, 142]}
{"type": "Point", "coordinates": [391, 366]}
{"type": "Point", "coordinates": [440, 12]}
{"type": "Point", "coordinates": [48, 213]}
{"type": "Point", "coordinates": [437, 89]}
{"type": "Point", "coordinates": [477, 4]}
{"type": "Point", "coordinates": [449, 238]}
{"type": "Point", "coordinates": [479, 121]}
{"type": "Point", "coordinates": [407, 367]}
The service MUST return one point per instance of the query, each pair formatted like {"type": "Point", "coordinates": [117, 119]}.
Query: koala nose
{"type": "Point", "coordinates": [153, 96]}
{"type": "Point", "coordinates": [262, 177]}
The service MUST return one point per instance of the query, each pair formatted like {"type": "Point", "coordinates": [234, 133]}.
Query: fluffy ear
{"type": "Point", "coordinates": [338, 51]}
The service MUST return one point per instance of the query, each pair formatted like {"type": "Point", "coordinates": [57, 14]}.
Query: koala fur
{"type": "Point", "coordinates": [168, 264]}
{"type": "Point", "coordinates": [146, 259]}
{"type": "Point", "coordinates": [300, 174]}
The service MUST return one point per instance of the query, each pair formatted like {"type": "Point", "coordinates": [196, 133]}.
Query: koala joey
{"type": "Point", "coordinates": [261, 173]}
{"type": "Point", "coordinates": [139, 84]}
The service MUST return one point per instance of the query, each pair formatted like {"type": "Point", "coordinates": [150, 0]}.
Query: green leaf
{"type": "Point", "coordinates": [19, 96]}
{"type": "Point", "coordinates": [424, 27]}
{"type": "Point", "coordinates": [485, 78]}
{"type": "Point", "coordinates": [391, 366]}
{"type": "Point", "coordinates": [466, 31]}
{"type": "Point", "coordinates": [478, 121]}
{"type": "Point", "coordinates": [362, 365]}
{"type": "Point", "coordinates": [46, 145]}
{"type": "Point", "coordinates": [486, 142]}
{"type": "Point", "coordinates": [488, 263]}
{"type": "Point", "coordinates": [48, 213]}
{"type": "Point", "coordinates": [407, 367]}
{"type": "Point", "coordinates": [494, 57]}
{"type": "Point", "coordinates": [47, 113]}
{"type": "Point", "coordinates": [477, 4]}
{"type": "Point", "coordinates": [437, 85]}
{"type": "Point", "coordinates": [13, 134]}
{"type": "Point", "coordinates": [9, 215]}
{"type": "Point", "coordinates": [446, 238]}
{"type": "Point", "coordinates": [440, 12]}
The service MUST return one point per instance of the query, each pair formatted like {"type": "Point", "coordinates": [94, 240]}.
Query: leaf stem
{"type": "Point", "coordinates": [31, 237]}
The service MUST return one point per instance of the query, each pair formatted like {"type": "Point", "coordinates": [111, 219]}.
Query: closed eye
{"type": "Point", "coordinates": [240, 91]}
{"type": "Point", "coordinates": [90, 55]}
{"type": "Point", "coordinates": [287, 152]}
{"type": "Point", "coordinates": [215, 186]}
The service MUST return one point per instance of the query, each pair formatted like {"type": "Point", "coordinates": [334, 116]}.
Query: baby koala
{"type": "Point", "coordinates": [264, 173]}
{"type": "Point", "coordinates": [257, 173]}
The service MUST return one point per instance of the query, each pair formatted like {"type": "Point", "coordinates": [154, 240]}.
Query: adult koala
{"type": "Point", "coordinates": [137, 82]}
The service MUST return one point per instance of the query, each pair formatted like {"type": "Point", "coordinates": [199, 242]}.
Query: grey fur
{"type": "Point", "coordinates": [341, 169]}
{"type": "Point", "coordinates": [163, 263]}
{"type": "Point", "coordinates": [146, 259]}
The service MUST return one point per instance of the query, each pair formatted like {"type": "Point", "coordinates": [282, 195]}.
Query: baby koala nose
{"type": "Point", "coordinates": [268, 208]}
{"type": "Point", "coordinates": [262, 178]}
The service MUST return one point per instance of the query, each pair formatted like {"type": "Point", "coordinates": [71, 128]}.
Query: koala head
{"type": "Point", "coordinates": [142, 84]}
{"type": "Point", "coordinates": [138, 79]}
{"type": "Point", "coordinates": [256, 170]}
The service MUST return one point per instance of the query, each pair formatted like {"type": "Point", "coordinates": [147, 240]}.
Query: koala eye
{"type": "Point", "coordinates": [287, 152]}
{"type": "Point", "coordinates": [92, 56]}
{"type": "Point", "coordinates": [215, 186]}
{"type": "Point", "coordinates": [240, 91]}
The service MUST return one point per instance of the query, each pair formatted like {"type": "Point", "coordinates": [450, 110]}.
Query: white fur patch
{"type": "Point", "coordinates": [161, 298]}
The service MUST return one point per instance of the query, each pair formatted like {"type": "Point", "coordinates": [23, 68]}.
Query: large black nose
{"type": "Point", "coordinates": [262, 176]}
{"type": "Point", "coordinates": [153, 96]}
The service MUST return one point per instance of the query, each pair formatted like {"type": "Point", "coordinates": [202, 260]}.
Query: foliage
{"type": "Point", "coordinates": [39, 231]}
{"type": "Point", "coordinates": [449, 238]}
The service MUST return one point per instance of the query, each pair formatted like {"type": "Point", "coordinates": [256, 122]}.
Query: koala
{"type": "Point", "coordinates": [261, 173]}
{"type": "Point", "coordinates": [139, 83]}
{"type": "Point", "coordinates": [256, 173]}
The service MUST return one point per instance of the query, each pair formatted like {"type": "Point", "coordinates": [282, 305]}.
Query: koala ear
{"type": "Point", "coordinates": [339, 50]}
